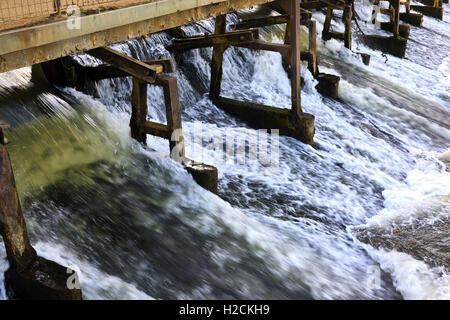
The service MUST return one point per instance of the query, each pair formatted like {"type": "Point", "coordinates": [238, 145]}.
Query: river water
{"type": "Point", "coordinates": [136, 226]}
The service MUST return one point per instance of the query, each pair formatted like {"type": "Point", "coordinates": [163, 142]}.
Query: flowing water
{"type": "Point", "coordinates": [136, 226]}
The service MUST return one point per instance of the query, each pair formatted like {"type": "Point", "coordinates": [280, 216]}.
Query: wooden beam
{"type": "Point", "coordinates": [139, 110]}
{"type": "Point", "coordinates": [134, 67]}
{"type": "Point", "coordinates": [229, 38]}
{"type": "Point", "coordinates": [327, 24]}
{"type": "Point", "coordinates": [262, 22]}
{"type": "Point", "coordinates": [283, 49]}
{"type": "Point", "coordinates": [173, 115]}
{"type": "Point", "coordinates": [217, 59]}
{"type": "Point", "coordinates": [312, 47]}
{"type": "Point", "coordinates": [106, 71]}
{"type": "Point", "coordinates": [271, 20]}
{"type": "Point", "coordinates": [348, 12]}
{"type": "Point", "coordinates": [157, 129]}
{"type": "Point", "coordinates": [294, 24]}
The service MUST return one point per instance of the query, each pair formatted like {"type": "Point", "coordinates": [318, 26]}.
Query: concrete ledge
{"type": "Point", "coordinates": [403, 30]}
{"type": "Point", "coordinates": [265, 117]}
{"type": "Point", "coordinates": [430, 11]}
{"type": "Point", "coordinates": [414, 19]}
{"type": "Point", "coordinates": [396, 47]}
{"type": "Point", "coordinates": [427, 2]}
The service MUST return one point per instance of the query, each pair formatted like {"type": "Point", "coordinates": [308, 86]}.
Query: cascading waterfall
{"type": "Point", "coordinates": [134, 224]}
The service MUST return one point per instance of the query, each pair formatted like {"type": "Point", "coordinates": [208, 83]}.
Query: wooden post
{"type": "Point", "coordinates": [19, 251]}
{"type": "Point", "coordinates": [29, 276]}
{"type": "Point", "coordinates": [217, 59]}
{"type": "Point", "coordinates": [327, 24]}
{"type": "Point", "coordinates": [294, 25]}
{"type": "Point", "coordinates": [139, 110]}
{"type": "Point", "coordinates": [348, 26]}
{"type": "Point", "coordinates": [57, 6]}
{"type": "Point", "coordinates": [173, 115]}
{"type": "Point", "coordinates": [396, 17]}
{"type": "Point", "coordinates": [312, 62]}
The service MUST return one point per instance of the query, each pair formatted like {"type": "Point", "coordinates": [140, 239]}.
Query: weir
{"type": "Point", "coordinates": [46, 42]}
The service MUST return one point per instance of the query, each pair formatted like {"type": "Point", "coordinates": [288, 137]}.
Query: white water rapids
{"type": "Point", "coordinates": [136, 226]}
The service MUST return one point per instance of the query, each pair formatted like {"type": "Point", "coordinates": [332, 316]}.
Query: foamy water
{"type": "Point", "coordinates": [140, 228]}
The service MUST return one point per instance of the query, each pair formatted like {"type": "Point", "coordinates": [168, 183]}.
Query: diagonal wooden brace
{"type": "Point", "coordinates": [133, 67]}
{"type": "Point", "coordinates": [106, 71]}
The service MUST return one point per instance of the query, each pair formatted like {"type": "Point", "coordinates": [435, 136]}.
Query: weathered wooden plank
{"type": "Point", "coordinates": [13, 228]}
{"type": "Point", "coordinates": [217, 59]}
{"type": "Point", "coordinates": [157, 129]}
{"type": "Point", "coordinates": [106, 71]}
{"type": "Point", "coordinates": [173, 115]}
{"type": "Point", "coordinates": [270, 20]}
{"type": "Point", "coordinates": [139, 110]}
{"type": "Point", "coordinates": [312, 47]}
{"type": "Point", "coordinates": [132, 66]}
{"type": "Point", "coordinates": [294, 24]}
{"type": "Point", "coordinates": [283, 49]}
{"type": "Point", "coordinates": [348, 12]}
{"type": "Point", "coordinates": [229, 38]}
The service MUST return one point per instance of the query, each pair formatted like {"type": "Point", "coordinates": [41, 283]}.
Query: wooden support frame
{"type": "Point", "coordinates": [290, 51]}
{"type": "Point", "coordinates": [173, 130]}
{"type": "Point", "coordinates": [284, 50]}
{"type": "Point", "coordinates": [347, 9]}
{"type": "Point", "coordinates": [144, 73]}
{"type": "Point", "coordinates": [294, 123]}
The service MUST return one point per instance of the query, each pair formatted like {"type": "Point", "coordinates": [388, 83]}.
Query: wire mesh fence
{"type": "Point", "coordinates": [17, 10]}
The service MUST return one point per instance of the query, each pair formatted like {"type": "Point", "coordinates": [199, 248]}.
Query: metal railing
{"type": "Point", "coordinates": [21, 10]}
